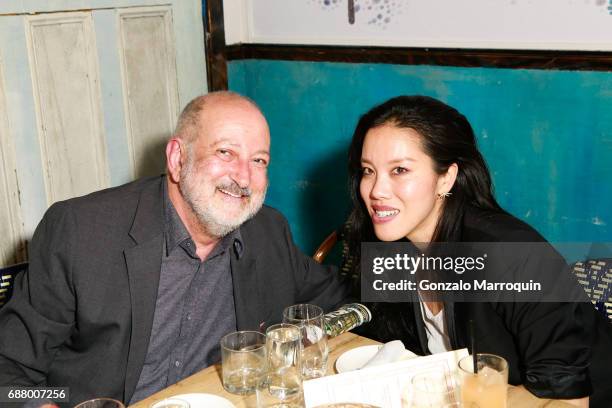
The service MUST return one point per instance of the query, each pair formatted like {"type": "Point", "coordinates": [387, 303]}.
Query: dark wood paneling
{"type": "Point", "coordinates": [564, 60]}
{"type": "Point", "coordinates": [216, 63]}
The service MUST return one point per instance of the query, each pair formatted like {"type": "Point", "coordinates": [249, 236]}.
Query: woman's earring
{"type": "Point", "coordinates": [442, 196]}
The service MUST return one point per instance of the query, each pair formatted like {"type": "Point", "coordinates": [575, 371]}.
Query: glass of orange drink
{"type": "Point", "coordinates": [488, 385]}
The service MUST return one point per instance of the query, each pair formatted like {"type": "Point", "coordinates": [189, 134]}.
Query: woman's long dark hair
{"type": "Point", "coordinates": [446, 137]}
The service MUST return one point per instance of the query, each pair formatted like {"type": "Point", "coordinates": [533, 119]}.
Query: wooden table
{"type": "Point", "coordinates": [209, 381]}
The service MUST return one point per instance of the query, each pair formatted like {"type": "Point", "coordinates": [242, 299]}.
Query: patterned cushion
{"type": "Point", "coordinates": [595, 276]}
{"type": "Point", "coordinates": [7, 275]}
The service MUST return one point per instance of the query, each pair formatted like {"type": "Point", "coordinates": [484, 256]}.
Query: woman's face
{"type": "Point", "coordinates": [399, 185]}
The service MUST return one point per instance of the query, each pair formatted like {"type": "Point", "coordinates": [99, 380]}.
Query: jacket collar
{"type": "Point", "coordinates": [149, 217]}
{"type": "Point", "coordinates": [249, 284]}
{"type": "Point", "coordinates": [143, 262]}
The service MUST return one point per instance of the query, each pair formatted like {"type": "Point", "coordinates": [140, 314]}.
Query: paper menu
{"type": "Point", "coordinates": [381, 386]}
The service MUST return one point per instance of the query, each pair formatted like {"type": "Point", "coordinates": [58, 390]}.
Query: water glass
{"type": "Point", "coordinates": [430, 389]}
{"type": "Point", "coordinates": [282, 385]}
{"type": "Point", "coordinates": [489, 387]}
{"type": "Point", "coordinates": [101, 403]}
{"type": "Point", "coordinates": [243, 360]}
{"type": "Point", "coordinates": [309, 318]}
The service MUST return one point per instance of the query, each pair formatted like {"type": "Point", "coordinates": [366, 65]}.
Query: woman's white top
{"type": "Point", "coordinates": [435, 326]}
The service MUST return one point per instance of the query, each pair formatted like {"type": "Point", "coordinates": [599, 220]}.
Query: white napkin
{"type": "Point", "coordinates": [389, 353]}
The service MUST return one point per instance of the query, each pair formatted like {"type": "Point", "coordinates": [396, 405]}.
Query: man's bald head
{"type": "Point", "coordinates": [190, 118]}
{"type": "Point", "coordinates": [217, 163]}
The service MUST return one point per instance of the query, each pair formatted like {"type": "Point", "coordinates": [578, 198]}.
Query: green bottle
{"type": "Point", "coordinates": [346, 318]}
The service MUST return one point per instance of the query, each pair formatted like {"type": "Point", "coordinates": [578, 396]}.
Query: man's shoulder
{"type": "Point", "coordinates": [268, 214]}
{"type": "Point", "coordinates": [112, 194]}
{"type": "Point", "coordinates": [267, 223]}
{"type": "Point", "coordinates": [116, 200]}
{"type": "Point", "coordinates": [266, 217]}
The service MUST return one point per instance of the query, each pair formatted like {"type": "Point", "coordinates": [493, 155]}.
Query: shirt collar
{"type": "Point", "coordinates": [174, 231]}
{"type": "Point", "coordinates": [232, 240]}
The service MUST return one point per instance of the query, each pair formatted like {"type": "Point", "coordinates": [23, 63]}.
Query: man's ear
{"type": "Point", "coordinates": [174, 150]}
{"type": "Point", "coordinates": [447, 180]}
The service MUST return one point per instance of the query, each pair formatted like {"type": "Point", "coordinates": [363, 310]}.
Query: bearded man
{"type": "Point", "coordinates": [130, 289]}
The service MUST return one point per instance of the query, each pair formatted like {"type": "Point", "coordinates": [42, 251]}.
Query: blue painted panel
{"type": "Point", "coordinates": [547, 137]}
{"type": "Point", "coordinates": [24, 128]}
{"type": "Point", "coordinates": [117, 148]}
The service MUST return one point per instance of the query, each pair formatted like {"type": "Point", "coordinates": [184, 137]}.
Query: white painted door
{"type": "Point", "coordinates": [89, 92]}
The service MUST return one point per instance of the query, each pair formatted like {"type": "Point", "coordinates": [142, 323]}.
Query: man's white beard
{"type": "Point", "coordinates": [210, 213]}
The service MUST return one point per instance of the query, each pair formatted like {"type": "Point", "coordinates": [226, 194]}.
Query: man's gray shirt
{"type": "Point", "coordinates": [193, 310]}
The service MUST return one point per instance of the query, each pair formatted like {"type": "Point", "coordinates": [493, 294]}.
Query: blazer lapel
{"type": "Point", "coordinates": [247, 294]}
{"type": "Point", "coordinates": [143, 266]}
{"type": "Point", "coordinates": [420, 325]}
{"type": "Point", "coordinates": [449, 316]}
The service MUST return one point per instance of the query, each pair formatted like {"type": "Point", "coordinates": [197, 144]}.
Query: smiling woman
{"type": "Point", "coordinates": [417, 175]}
{"type": "Point", "coordinates": [396, 171]}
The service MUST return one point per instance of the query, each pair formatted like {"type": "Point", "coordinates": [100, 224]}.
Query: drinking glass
{"type": "Point", "coordinates": [282, 385]}
{"type": "Point", "coordinates": [430, 389]}
{"type": "Point", "coordinates": [171, 403]}
{"type": "Point", "coordinates": [243, 360]}
{"type": "Point", "coordinates": [309, 318]}
{"type": "Point", "coordinates": [489, 387]}
{"type": "Point", "coordinates": [101, 403]}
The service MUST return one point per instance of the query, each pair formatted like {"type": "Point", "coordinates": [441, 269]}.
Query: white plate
{"type": "Point", "coordinates": [356, 358]}
{"type": "Point", "coordinates": [201, 400]}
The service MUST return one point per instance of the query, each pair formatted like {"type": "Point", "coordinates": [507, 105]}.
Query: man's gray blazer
{"type": "Point", "coordinates": [82, 315]}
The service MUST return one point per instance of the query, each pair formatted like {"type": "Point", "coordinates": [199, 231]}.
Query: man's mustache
{"type": "Point", "coordinates": [235, 189]}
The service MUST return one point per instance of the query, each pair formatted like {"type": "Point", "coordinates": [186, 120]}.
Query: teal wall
{"type": "Point", "coordinates": [546, 135]}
